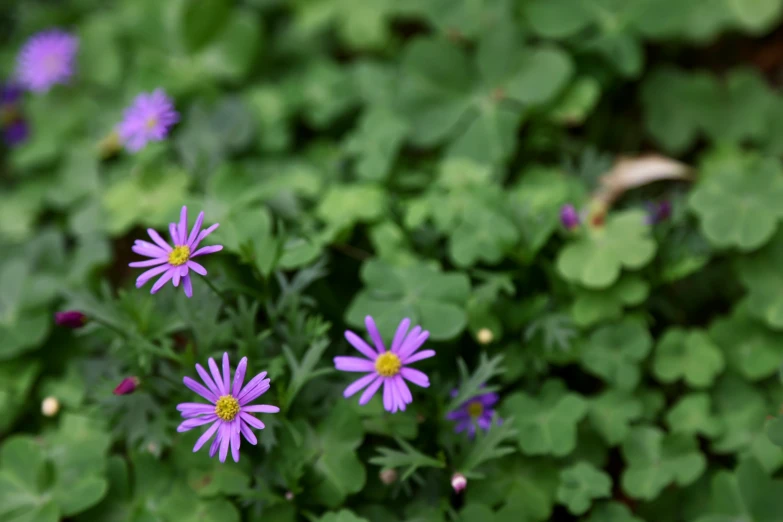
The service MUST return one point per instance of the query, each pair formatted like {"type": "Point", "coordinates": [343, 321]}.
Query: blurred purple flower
{"type": "Point", "coordinates": [174, 263]}
{"type": "Point", "coordinates": [149, 118]}
{"type": "Point", "coordinates": [15, 132]}
{"type": "Point", "coordinates": [658, 212]}
{"type": "Point", "coordinates": [127, 386]}
{"type": "Point", "coordinates": [70, 319]}
{"type": "Point", "coordinates": [229, 412]}
{"type": "Point", "coordinates": [48, 58]}
{"type": "Point", "coordinates": [569, 217]}
{"type": "Point", "coordinates": [387, 368]}
{"type": "Point", "coordinates": [12, 121]}
{"type": "Point", "coordinates": [10, 93]}
{"type": "Point", "coordinates": [476, 411]}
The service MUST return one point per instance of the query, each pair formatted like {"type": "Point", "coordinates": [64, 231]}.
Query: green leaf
{"type": "Point", "coordinates": [429, 297]}
{"type": "Point", "coordinates": [376, 142]}
{"type": "Point", "coordinates": [736, 200]}
{"type": "Point", "coordinates": [547, 424]}
{"type": "Point", "coordinates": [341, 516]}
{"type": "Point", "coordinates": [557, 18]}
{"type": "Point", "coordinates": [21, 463]}
{"type": "Point", "coordinates": [775, 431]}
{"type": "Point", "coordinates": [200, 22]}
{"type": "Point", "coordinates": [615, 352]}
{"type": "Point", "coordinates": [748, 347]}
{"type": "Point", "coordinates": [232, 51]}
{"type": "Point", "coordinates": [692, 415]}
{"type": "Point", "coordinates": [409, 458]}
{"type": "Point", "coordinates": [596, 258]}
{"type": "Point", "coordinates": [688, 355]}
{"type": "Point", "coordinates": [613, 512]}
{"type": "Point", "coordinates": [16, 381]}
{"type": "Point", "coordinates": [580, 484]}
{"type": "Point", "coordinates": [612, 413]}
{"type": "Point", "coordinates": [343, 206]}
{"type": "Point", "coordinates": [593, 306]}
{"type": "Point", "coordinates": [656, 460]}
{"type": "Point", "coordinates": [760, 275]}
{"type": "Point", "coordinates": [488, 446]}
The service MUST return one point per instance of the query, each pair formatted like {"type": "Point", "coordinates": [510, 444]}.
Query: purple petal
{"type": "Point", "coordinates": [399, 335]}
{"type": "Point", "coordinates": [247, 432]}
{"type": "Point", "coordinates": [149, 262]}
{"type": "Point", "coordinates": [397, 402]}
{"type": "Point", "coordinates": [375, 335]}
{"type": "Point", "coordinates": [257, 424]}
{"type": "Point", "coordinates": [424, 354]}
{"type": "Point", "coordinates": [200, 270]}
{"type": "Point", "coordinates": [239, 377]}
{"type": "Point", "coordinates": [487, 399]}
{"type": "Point", "coordinates": [175, 276]}
{"type": "Point", "coordinates": [174, 235]}
{"type": "Point", "coordinates": [159, 240]}
{"type": "Point", "coordinates": [458, 414]}
{"type": "Point", "coordinates": [187, 285]}
{"type": "Point", "coordinates": [353, 364]}
{"type": "Point", "coordinates": [255, 381]}
{"type": "Point", "coordinates": [149, 274]}
{"type": "Point", "coordinates": [203, 234]}
{"type": "Point", "coordinates": [182, 229]}
{"type": "Point", "coordinates": [215, 443]}
{"type": "Point", "coordinates": [207, 250]}
{"type": "Point", "coordinates": [360, 384]}
{"type": "Point", "coordinates": [416, 377]}
{"type": "Point", "coordinates": [249, 395]}
{"type": "Point", "coordinates": [193, 409]}
{"type": "Point", "coordinates": [261, 408]}
{"type": "Point", "coordinates": [149, 251]}
{"type": "Point", "coordinates": [200, 389]}
{"type": "Point", "coordinates": [358, 343]}
{"type": "Point", "coordinates": [213, 368]}
{"type": "Point", "coordinates": [225, 440]}
{"type": "Point", "coordinates": [405, 392]}
{"type": "Point", "coordinates": [388, 402]}
{"type": "Point", "coordinates": [226, 371]}
{"type": "Point", "coordinates": [207, 380]}
{"type": "Point", "coordinates": [192, 423]}
{"type": "Point", "coordinates": [484, 423]}
{"type": "Point", "coordinates": [370, 391]}
{"type": "Point", "coordinates": [196, 228]}
{"type": "Point", "coordinates": [235, 440]}
{"type": "Point", "coordinates": [162, 281]}
{"type": "Point", "coordinates": [412, 344]}
{"type": "Point", "coordinates": [206, 436]}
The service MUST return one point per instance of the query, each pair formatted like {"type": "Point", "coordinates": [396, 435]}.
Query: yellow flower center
{"type": "Point", "coordinates": [227, 407]}
{"type": "Point", "coordinates": [387, 364]}
{"type": "Point", "coordinates": [152, 123]}
{"type": "Point", "coordinates": [179, 256]}
{"type": "Point", "coordinates": [475, 409]}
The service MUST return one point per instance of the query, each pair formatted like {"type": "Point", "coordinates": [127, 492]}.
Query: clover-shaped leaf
{"type": "Point", "coordinates": [615, 352]}
{"type": "Point", "coordinates": [761, 275]}
{"type": "Point", "coordinates": [748, 494]}
{"type": "Point", "coordinates": [376, 142]}
{"type": "Point", "coordinates": [429, 297]}
{"type": "Point", "coordinates": [692, 415]}
{"type": "Point", "coordinates": [743, 410]}
{"type": "Point", "coordinates": [596, 258]}
{"type": "Point", "coordinates": [612, 512]}
{"type": "Point", "coordinates": [546, 424]}
{"type": "Point", "coordinates": [592, 306]}
{"type": "Point", "coordinates": [580, 484]}
{"type": "Point", "coordinates": [656, 460]}
{"type": "Point", "coordinates": [612, 413]}
{"type": "Point", "coordinates": [688, 355]}
{"type": "Point", "coordinates": [749, 348]}
{"type": "Point", "coordinates": [345, 205]}
{"type": "Point", "coordinates": [737, 200]}
{"type": "Point", "coordinates": [775, 431]}
{"type": "Point", "coordinates": [343, 515]}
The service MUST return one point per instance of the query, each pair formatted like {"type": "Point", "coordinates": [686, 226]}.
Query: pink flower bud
{"type": "Point", "coordinates": [70, 319]}
{"type": "Point", "coordinates": [127, 386]}
{"type": "Point", "coordinates": [458, 482]}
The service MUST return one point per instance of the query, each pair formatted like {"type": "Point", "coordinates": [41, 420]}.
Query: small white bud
{"type": "Point", "coordinates": [289, 495]}
{"type": "Point", "coordinates": [50, 406]}
{"type": "Point", "coordinates": [485, 336]}
{"type": "Point", "coordinates": [458, 482]}
{"type": "Point", "coordinates": [388, 476]}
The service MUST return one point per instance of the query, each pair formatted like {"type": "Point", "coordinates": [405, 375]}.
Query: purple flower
{"type": "Point", "coordinates": [70, 319]}
{"type": "Point", "coordinates": [387, 368]}
{"type": "Point", "coordinates": [658, 212]}
{"type": "Point", "coordinates": [229, 412]}
{"type": "Point", "coordinates": [10, 93]}
{"type": "Point", "coordinates": [15, 132]}
{"type": "Point", "coordinates": [46, 59]}
{"type": "Point", "coordinates": [476, 411]}
{"type": "Point", "coordinates": [12, 121]}
{"type": "Point", "coordinates": [127, 386]}
{"type": "Point", "coordinates": [149, 118]}
{"type": "Point", "coordinates": [174, 263]}
{"type": "Point", "coordinates": [458, 483]}
{"type": "Point", "coordinates": [569, 217]}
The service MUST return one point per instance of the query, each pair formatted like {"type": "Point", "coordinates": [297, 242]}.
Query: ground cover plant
{"type": "Point", "coordinates": [391, 260]}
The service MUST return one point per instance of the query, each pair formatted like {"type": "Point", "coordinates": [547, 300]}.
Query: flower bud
{"type": "Point", "coordinates": [70, 319]}
{"type": "Point", "coordinates": [485, 336]}
{"type": "Point", "coordinates": [569, 217]}
{"type": "Point", "coordinates": [458, 482]}
{"type": "Point", "coordinates": [127, 386]}
{"type": "Point", "coordinates": [289, 495]}
{"type": "Point", "coordinates": [388, 476]}
{"type": "Point", "coordinates": [50, 406]}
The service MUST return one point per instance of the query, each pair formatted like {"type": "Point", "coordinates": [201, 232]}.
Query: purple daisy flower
{"type": "Point", "coordinates": [230, 411]}
{"type": "Point", "coordinates": [46, 59]}
{"type": "Point", "coordinates": [387, 368]}
{"type": "Point", "coordinates": [476, 411]}
{"type": "Point", "coordinates": [174, 263]}
{"type": "Point", "coordinates": [149, 118]}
